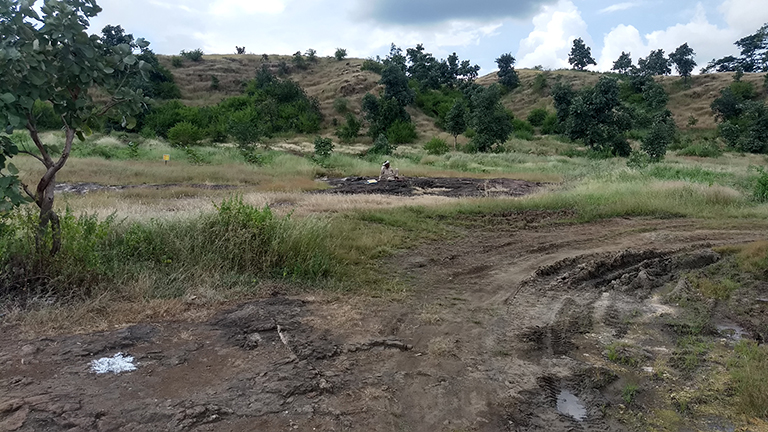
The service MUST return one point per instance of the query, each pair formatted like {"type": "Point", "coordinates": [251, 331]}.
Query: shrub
{"type": "Point", "coordinates": [760, 191]}
{"type": "Point", "coordinates": [214, 82]}
{"type": "Point", "coordinates": [349, 131]}
{"type": "Point", "coordinates": [147, 132]}
{"type": "Point", "coordinates": [244, 127]}
{"type": "Point", "coordinates": [436, 146]}
{"type": "Point", "coordinates": [195, 55]}
{"type": "Point", "coordinates": [282, 68]}
{"type": "Point", "coordinates": [185, 134]}
{"type": "Point", "coordinates": [537, 116]}
{"type": "Point", "coordinates": [662, 133]}
{"type": "Point", "coordinates": [372, 65]}
{"type": "Point", "coordinates": [299, 61]}
{"type": "Point", "coordinates": [166, 90]}
{"type": "Point", "coordinates": [45, 117]}
{"type": "Point", "coordinates": [323, 147]}
{"type": "Point", "coordinates": [522, 129]}
{"type": "Point", "coordinates": [707, 149]}
{"type": "Point", "coordinates": [340, 54]}
{"type": "Point", "coordinates": [382, 146]}
{"type": "Point", "coordinates": [638, 160]}
{"type": "Point", "coordinates": [195, 157]}
{"type": "Point", "coordinates": [177, 61]}
{"type": "Point", "coordinates": [540, 83]}
{"type": "Point", "coordinates": [549, 125]}
{"type": "Point", "coordinates": [401, 132]}
{"type": "Point", "coordinates": [311, 55]}
{"type": "Point", "coordinates": [340, 105]}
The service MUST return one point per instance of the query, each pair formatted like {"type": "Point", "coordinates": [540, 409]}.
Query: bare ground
{"type": "Point", "coordinates": [440, 186]}
{"type": "Point", "coordinates": [500, 328]}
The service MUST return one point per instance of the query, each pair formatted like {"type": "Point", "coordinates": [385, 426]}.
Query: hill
{"type": "Point", "coordinates": [329, 79]}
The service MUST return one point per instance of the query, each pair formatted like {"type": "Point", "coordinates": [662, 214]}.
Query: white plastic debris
{"type": "Point", "coordinates": [115, 364]}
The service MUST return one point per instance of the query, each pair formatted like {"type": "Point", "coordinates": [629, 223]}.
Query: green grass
{"type": "Point", "coordinates": [714, 289]}
{"type": "Point", "coordinates": [629, 393]}
{"type": "Point", "coordinates": [621, 353]}
{"type": "Point", "coordinates": [749, 374]}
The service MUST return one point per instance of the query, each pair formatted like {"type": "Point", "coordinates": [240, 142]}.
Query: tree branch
{"type": "Point", "coordinates": [26, 190]}
{"type": "Point", "coordinates": [27, 152]}
{"type": "Point", "coordinates": [47, 160]}
{"type": "Point", "coordinates": [113, 103]}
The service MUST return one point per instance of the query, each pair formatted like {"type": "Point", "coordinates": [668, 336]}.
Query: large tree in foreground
{"type": "Point", "coordinates": [581, 55]}
{"type": "Point", "coordinates": [51, 58]}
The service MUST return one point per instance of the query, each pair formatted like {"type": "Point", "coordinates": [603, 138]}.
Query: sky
{"type": "Point", "coordinates": [535, 32]}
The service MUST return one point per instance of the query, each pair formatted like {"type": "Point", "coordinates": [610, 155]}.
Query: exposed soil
{"type": "Point", "coordinates": [501, 328]}
{"type": "Point", "coordinates": [442, 186]}
{"type": "Point", "coordinates": [84, 188]}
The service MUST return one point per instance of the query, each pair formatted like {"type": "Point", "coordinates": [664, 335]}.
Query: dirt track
{"type": "Point", "coordinates": [500, 327]}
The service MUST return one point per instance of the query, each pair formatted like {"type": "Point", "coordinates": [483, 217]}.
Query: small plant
{"type": "Point", "coordinates": [760, 190]}
{"type": "Point", "coordinates": [629, 393]}
{"type": "Point", "coordinates": [340, 54]}
{"type": "Point", "coordinates": [248, 152]}
{"type": "Point", "coordinates": [133, 150]}
{"type": "Point", "coordinates": [537, 116]}
{"type": "Point", "coordinates": [381, 146]}
{"type": "Point", "coordinates": [540, 83]}
{"type": "Point", "coordinates": [372, 65]}
{"type": "Point", "coordinates": [185, 134]}
{"type": "Point", "coordinates": [214, 82]}
{"type": "Point", "coordinates": [692, 121]}
{"type": "Point", "coordinates": [638, 160]}
{"type": "Point", "coordinates": [283, 68]}
{"type": "Point", "coordinates": [195, 55]}
{"type": "Point", "coordinates": [549, 126]}
{"type": "Point", "coordinates": [299, 61]}
{"type": "Point", "coordinates": [340, 105]}
{"type": "Point", "coordinates": [177, 61]}
{"type": "Point", "coordinates": [401, 132]}
{"type": "Point", "coordinates": [311, 55]}
{"type": "Point", "coordinates": [349, 131]}
{"type": "Point", "coordinates": [147, 132]}
{"type": "Point", "coordinates": [323, 147]}
{"type": "Point", "coordinates": [194, 157]}
{"type": "Point", "coordinates": [240, 50]}
{"type": "Point", "coordinates": [265, 57]}
{"type": "Point", "coordinates": [622, 353]}
{"type": "Point", "coordinates": [707, 149]}
{"type": "Point", "coordinates": [436, 146]}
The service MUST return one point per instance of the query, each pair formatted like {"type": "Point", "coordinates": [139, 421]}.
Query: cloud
{"type": "Point", "coordinates": [618, 7]}
{"type": "Point", "coordinates": [555, 28]}
{"type": "Point", "coordinates": [410, 12]}
{"type": "Point", "coordinates": [707, 40]}
{"type": "Point", "coordinates": [234, 7]}
{"type": "Point", "coordinates": [746, 16]}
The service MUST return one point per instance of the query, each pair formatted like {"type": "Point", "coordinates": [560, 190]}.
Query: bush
{"type": "Point", "coordinates": [382, 146]}
{"type": "Point", "coordinates": [194, 55]}
{"type": "Point", "coordinates": [401, 132]}
{"type": "Point", "coordinates": [46, 118]}
{"type": "Point", "coordinates": [177, 61]}
{"type": "Point", "coordinates": [760, 191]}
{"type": "Point", "coordinates": [549, 126]}
{"type": "Point", "coordinates": [214, 82]}
{"type": "Point", "coordinates": [707, 149]}
{"type": "Point", "coordinates": [147, 132]}
{"type": "Point", "coordinates": [185, 134]}
{"type": "Point", "coordinates": [540, 83]}
{"type": "Point", "coordinates": [372, 65]}
{"type": "Point", "coordinates": [657, 140]}
{"type": "Point", "coordinates": [299, 61]}
{"type": "Point", "coordinates": [638, 160]}
{"type": "Point", "coordinates": [340, 54]}
{"type": "Point", "coordinates": [436, 146]}
{"type": "Point", "coordinates": [323, 147]}
{"type": "Point", "coordinates": [537, 116]}
{"type": "Point", "coordinates": [340, 105]}
{"type": "Point", "coordinates": [244, 127]}
{"type": "Point", "coordinates": [522, 129]}
{"type": "Point", "coordinates": [349, 131]}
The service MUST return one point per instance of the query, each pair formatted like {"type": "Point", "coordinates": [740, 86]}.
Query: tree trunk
{"type": "Point", "coordinates": [455, 141]}
{"type": "Point", "coordinates": [48, 216]}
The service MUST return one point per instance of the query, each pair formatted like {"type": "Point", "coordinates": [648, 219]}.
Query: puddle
{"type": "Point", "coordinates": [569, 404]}
{"type": "Point", "coordinates": [731, 331]}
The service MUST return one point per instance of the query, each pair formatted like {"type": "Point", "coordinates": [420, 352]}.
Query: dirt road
{"type": "Point", "coordinates": [504, 330]}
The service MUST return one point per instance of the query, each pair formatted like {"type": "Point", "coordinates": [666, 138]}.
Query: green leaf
{"type": "Point", "coordinates": [145, 66]}
{"type": "Point", "coordinates": [8, 98]}
{"type": "Point", "coordinates": [12, 169]}
{"type": "Point", "coordinates": [108, 70]}
{"type": "Point", "coordinates": [130, 59]}
{"type": "Point", "coordinates": [131, 123]}
{"type": "Point", "coordinates": [80, 136]}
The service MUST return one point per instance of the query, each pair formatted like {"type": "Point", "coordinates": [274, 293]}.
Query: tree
{"type": "Point", "coordinates": [753, 56]}
{"type": "Point", "coordinates": [311, 55]}
{"type": "Point", "coordinates": [456, 120]}
{"type": "Point", "coordinates": [491, 121]}
{"type": "Point", "coordinates": [654, 64]}
{"type": "Point", "coordinates": [581, 55]}
{"type": "Point", "coordinates": [507, 74]}
{"type": "Point", "coordinates": [115, 35]}
{"type": "Point", "coordinates": [51, 58]}
{"type": "Point", "coordinates": [340, 54]}
{"type": "Point", "coordinates": [660, 136]}
{"type": "Point", "coordinates": [623, 64]}
{"type": "Point", "coordinates": [683, 60]}
{"type": "Point", "coordinates": [395, 83]}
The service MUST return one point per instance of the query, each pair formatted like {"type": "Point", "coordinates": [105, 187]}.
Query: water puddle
{"type": "Point", "coordinates": [569, 404]}
{"type": "Point", "coordinates": [731, 331]}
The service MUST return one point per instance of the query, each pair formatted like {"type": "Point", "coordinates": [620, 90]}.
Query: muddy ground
{"type": "Point", "coordinates": [84, 188]}
{"type": "Point", "coordinates": [504, 329]}
{"type": "Point", "coordinates": [442, 186]}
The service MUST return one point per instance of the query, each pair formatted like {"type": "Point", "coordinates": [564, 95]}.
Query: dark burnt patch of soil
{"type": "Point", "coordinates": [440, 186]}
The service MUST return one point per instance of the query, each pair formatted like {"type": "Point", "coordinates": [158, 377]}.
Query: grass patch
{"type": "Point", "coordinates": [689, 353]}
{"type": "Point", "coordinates": [629, 393]}
{"type": "Point", "coordinates": [718, 290]}
{"type": "Point", "coordinates": [622, 353]}
{"type": "Point", "coordinates": [749, 373]}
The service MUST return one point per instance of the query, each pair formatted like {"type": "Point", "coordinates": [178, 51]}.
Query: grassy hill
{"type": "Point", "coordinates": [329, 79]}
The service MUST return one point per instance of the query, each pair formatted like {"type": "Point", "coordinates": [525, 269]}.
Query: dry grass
{"type": "Point", "coordinates": [441, 346]}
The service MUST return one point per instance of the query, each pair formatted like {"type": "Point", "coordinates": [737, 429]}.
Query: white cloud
{"type": "Point", "coordinates": [555, 28]}
{"type": "Point", "coordinates": [248, 7]}
{"type": "Point", "coordinates": [618, 7]}
{"type": "Point", "coordinates": [708, 40]}
{"type": "Point", "coordinates": [745, 16]}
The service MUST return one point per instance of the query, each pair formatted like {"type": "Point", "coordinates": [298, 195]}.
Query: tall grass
{"type": "Point", "coordinates": [749, 374]}
{"type": "Point", "coordinates": [238, 243]}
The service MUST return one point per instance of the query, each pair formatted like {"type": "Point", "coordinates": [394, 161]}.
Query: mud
{"type": "Point", "coordinates": [449, 187]}
{"type": "Point", "coordinates": [500, 329]}
{"type": "Point", "coordinates": [84, 188]}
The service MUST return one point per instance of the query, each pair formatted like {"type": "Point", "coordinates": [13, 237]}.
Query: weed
{"type": "Point", "coordinates": [629, 393]}
{"type": "Point", "coordinates": [436, 146]}
{"type": "Point", "coordinates": [718, 290]}
{"type": "Point", "coordinates": [622, 353]}
{"type": "Point", "coordinates": [760, 191]}
{"type": "Point", "coordinates": [195, 157]}
{"type": "Point", "coordinates": [689, 353]}
{"type": "Point", "coordinates": [707, 149]}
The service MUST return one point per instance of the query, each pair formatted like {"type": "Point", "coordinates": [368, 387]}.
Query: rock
{"type": "Point", "coordinates": [15, 420]}
{"type": "Point", "coordinates": [28, 350]}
